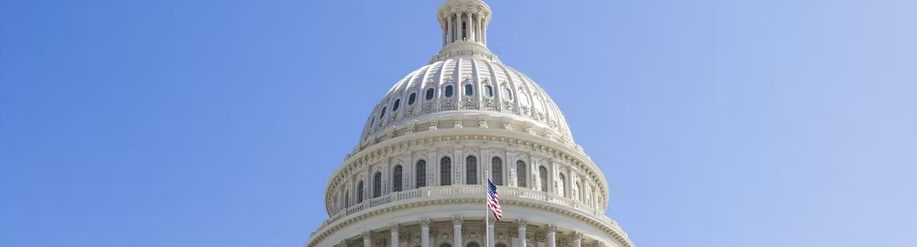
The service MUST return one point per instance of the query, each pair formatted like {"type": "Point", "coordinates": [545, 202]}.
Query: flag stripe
{"type": "Point", "coordinates": [493, 200]}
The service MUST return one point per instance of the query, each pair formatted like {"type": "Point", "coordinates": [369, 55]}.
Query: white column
{"type": "Point", "coordinates": [367, 239]}
{"type": "Point", "coordinates": [471, 29]}
{"type": "Point", "coordinates": [425, 232]}
{"type": "Point", "coordinates": [395, 240]}
{"type": "Point", "coordinates": [457, 231]}
{"type": "Point", "coordinates": [577, 239]}
{"type": "Point", "coordinates": [490, 231]}
{"type": "Point", "coordinates": [480, 28]}
{"type": "Point", "coordinates": [483, 32]}
{"type": "Point", "coordinates": [449, 29]}
{"type": "Point", "coordinates": [522, 223]}
{"type": "Point", "coordinates": [445, 31]}
{"type": "Point", "coordinates": [477, 25]}
{"type": "Point", "coordinates": [552, 229]}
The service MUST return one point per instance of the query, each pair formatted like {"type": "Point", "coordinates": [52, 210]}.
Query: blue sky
{"type": "Point", "coordinates": [217, 123]}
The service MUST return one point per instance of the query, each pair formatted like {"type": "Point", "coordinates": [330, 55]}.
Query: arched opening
{"type": "Point", "coordinates": [473, 244]}
{"type": "Point", "coordinates": [445, 171]}
{"type": "Point", "coordinates": [421, 174]}
{"type": "Point", "coordinates": [396, 105]}
{"type": "Point", "coordinates": [521, 174]}
{"type": "Point", "coordinates": [543, 177]}
{"type": "Point", "coordinates": [489, 91]}
{"type": "Point", "coordinates": [471, 170]}
{"type": "Point", "coordinates": [469, 90]}
{"type": "Point", "coordinates": [377, 184]}
{"type": "Point", "coordinates": [396, 178]}
{"type": "Point", "coordinates": [496, 171]}
{"type": "Point", "coordinates": [464, 31]}
{"type": "Point", "coordinates": [360, 191]}
{"type": "Point", "coordinates": [563, 185]}
{"type": "Point", "coordinates": [412, 98]}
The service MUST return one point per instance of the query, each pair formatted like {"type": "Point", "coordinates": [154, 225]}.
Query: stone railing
{"type": "Point", "coordinates": [471, 192]}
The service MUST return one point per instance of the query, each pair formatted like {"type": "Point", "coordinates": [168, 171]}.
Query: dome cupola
{"type": "Point", "coordinates": [464, 21]}
{"type": "Point", "coordinates": [464, 26]}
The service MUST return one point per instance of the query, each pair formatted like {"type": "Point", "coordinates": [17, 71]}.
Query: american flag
{"type": "Point", "coordinates": [493, 200]}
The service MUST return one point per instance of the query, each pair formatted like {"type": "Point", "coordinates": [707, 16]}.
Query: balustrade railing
{"type": "Point", "coordinates": [470, 191]}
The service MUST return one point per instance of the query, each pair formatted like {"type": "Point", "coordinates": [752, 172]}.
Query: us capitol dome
{"type": "Point", "coordinates": [415, 178]}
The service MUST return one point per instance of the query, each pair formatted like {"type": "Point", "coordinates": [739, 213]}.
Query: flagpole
{"type": "Point", "coordinates": [486, 208]}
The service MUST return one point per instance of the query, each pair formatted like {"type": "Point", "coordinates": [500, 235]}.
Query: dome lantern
{"type": "Point", "coordinates": [464, 28]}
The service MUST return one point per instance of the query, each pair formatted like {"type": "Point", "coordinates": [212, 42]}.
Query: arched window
{"type": "Point", "coordinates": [377, 184]}
{"type": "Point", "coordinates": [396, 178]}
{"type": "Point", "coordinates": [360, 191]}
{"type": "Point", "coordinates": [563, 185]}
{"type": "Point", "coordinates": [421, 171]}
{"type": "Point", "coordinates": [445, 171]}
{"type": "Point", "coordinates": [474, 244]}
{"type": "Point", "coordinates": [396, 105]}
{"type": "Point", "coordinates": [412, 98]}
{"type": "Point", "coordinates": [471, 170]}
{"type": "Point", "coordinates": [508, 94]}
{"type": "Point", "coordinates": [382, 115]}
{"type": "Point", "coordinates": [449, 91]}
{"type": "Point", "coordinates": [496, 172]}
{"type": "Point", "coordinates": [521, 175]}
{"type": "Point", "coordinates": [543, 176]}
{"type": "Point", "coordinates": [429, 94]}
{"type": "Point", "coordinates": [489, 91]}
{"type": "Point", "coordinates": [469, 90]}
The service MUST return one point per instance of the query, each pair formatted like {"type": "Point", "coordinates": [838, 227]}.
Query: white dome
{"type": "Point", "coordinates": [417, 176]}
{"type": "Point", "coordinates": [465, 78]}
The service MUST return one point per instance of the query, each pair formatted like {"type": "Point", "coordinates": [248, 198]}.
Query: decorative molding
{"type": "Point", "coordinates": [425, 222]}
{"type": "Point", "coordinates": [457, 220]}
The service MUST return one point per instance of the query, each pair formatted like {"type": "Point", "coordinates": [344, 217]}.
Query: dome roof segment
{"type": "Point", "coordinates": [463, 83]}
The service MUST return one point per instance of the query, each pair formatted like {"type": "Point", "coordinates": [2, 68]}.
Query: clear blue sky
{"type": "Point", "coordinates": [217, 123]}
